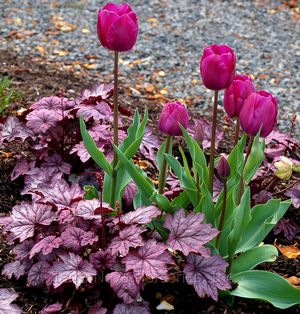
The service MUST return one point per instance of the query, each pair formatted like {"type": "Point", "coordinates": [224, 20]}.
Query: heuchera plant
{"type": "Point", "coordinates": [106, 226]}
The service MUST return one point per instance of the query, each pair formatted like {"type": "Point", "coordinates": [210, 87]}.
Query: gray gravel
{"type": "Point", "coordinates": [171, 39]}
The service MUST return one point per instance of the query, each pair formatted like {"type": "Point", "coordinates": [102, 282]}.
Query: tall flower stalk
{"type": "Point", "coordinates": [116, 129]}
{"type": "Point", "coordinates": [117, 30]}
{"type": "Point", "coordinates": [213, 143]}
{"type": "Point", "coordinates": [173, 115]}
{"type": "Point", "coordinates": [217, 68]}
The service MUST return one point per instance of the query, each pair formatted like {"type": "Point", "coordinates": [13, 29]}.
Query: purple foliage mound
{"type": "Point", "coordinates": [62, 240]}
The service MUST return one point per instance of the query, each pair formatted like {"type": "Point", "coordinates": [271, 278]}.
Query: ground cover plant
{"type": "Point", "coordinates": [101, 228]}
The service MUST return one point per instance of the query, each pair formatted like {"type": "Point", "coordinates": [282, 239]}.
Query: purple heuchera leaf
{"type": "Point", "coordinates": [52, 103]}
{"type": "Point", "coordinates": [55, 162]}
{"type": "Point", "coordinates": [124, 308]}
{"type": "Point", "coordinates": [124, 285]}
{"type": "Point", "coordinates": [28, 215]}
{"type": "Point", "coordinates": [102, 259]}
{"type": "Point", "coordinates": [289, 228]}
{"type": "Point", "coordinates": [188, 233]}
{"type": "Point", "coordinates": [96, 93]}
{"type": "Point", "coordinates": [46, 245]}
{"type": "Point", "coordinates": [23, 249]}
{"type": "Point", "coordinates": [14, 129]}
{"type": "Point", "coordinates": [97, 309]}
{"type": "Point", "coordinates": [22, 167]}
{"type": "Point", "coordinates": [206, 127]}
{"type": "Point", "coordinates": [16, 269]}
{"type": "Point", "coordinates": [71, 268]}
{"type": "Point", "coordinates": [277, 144]}
{"type": "Point", "coordinates": [37, 274]}
{"type": "Point", "coordinates": [81, 152]}
{"type": "Point", "coordinates": [99, 111]}
{"type": "Point", "coordinates": [262, 197]}
{"type": "Point", "coordinates": [37, 176]}
{"type": "Point", "coordinates": [6, 298]}
{"type": "Point", "coordinates": [86, 209]}
{"type": "Point", "coordinates": [206, 274]}
{"type": "Point", "coordinates": [61, 194]}
{"type": "Point", "coordinates": [150, 260]}
{"type": "Point", "coordinates": [149, 145]}
{"type": "Point", "coordinates": [128, 237]}
{"type": "Point", "coordinates": [52, 308]}
{"type": "Point", "coordinates": [75, 238]}
{"type": "Point", "coordinates": [141, 215]}
{"type": "Point", "coordinates": [40, 121]}
{"type": "Point", "coordinates": [294, 194]}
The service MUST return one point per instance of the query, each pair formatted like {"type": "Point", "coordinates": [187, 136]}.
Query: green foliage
{"type": "Point", "coordinates": [267, 286]}
{"type": "Point", "coordinates": [8, 95]}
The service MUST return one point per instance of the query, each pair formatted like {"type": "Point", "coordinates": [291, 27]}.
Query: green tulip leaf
{"type": "Point", "coordinates": [255, 159]}
{"type": "Point", "coordinates": [93, 150]}
{"type": "Point", "coordinates": [253, 257]}
{"type": "Point", "coordinates": [266, 286]}
{"type": "Point", "coordinates": [90, 192]}
{"type": "Point", "coordinates": [137, 175]}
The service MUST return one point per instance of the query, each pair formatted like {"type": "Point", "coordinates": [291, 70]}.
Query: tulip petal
{"type": "Point", "coordinates": [214, 72]}
{"type": "Point", "coordinates": [122, 34]}
{"type": "Point", "coordinates": [105, 20]}
{"type": "Point", "coordinates": [118, 9]}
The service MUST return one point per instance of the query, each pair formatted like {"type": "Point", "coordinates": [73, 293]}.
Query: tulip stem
{"type": "Point", "coordinates": [237, 131]}
{"type": "Point", "coordinates": [116, 135]}
{"type": "Point", "coordinates": [223, 212]}
{"type": "Point", "coordinates": [163, 172]}
{"type": "Point", "coordinates": [213, 143]}
{"type": "Point", "coordinates": [198, 187]}
{"type": "Point", "coordinates": [241, 185]}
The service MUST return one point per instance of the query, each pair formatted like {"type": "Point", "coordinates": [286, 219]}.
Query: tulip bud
{"type": "Point", "coordinates": [284, 168]}
{"type": "Point", "coordinates": [199, 134]}
{"type": "Point", "coordinates": [172, 115]}
{"type": "Point", "coordinates": [223, 168]}
{"type": "Point", "coordinates": [217, 67]}
{"type": "Point", "coordinates": [117, 27]}
{"type": "Point", "coordinates": [236, 94]}
{"type": "Point", "coordinates": [259, 111]}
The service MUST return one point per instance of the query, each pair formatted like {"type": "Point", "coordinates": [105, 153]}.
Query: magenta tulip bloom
{"type": "Point", "coordinates": [236, 94]}
{"type": "Point", "coordinates": [117, 27]}
{"type": "Point", "coordinates": [172, 115]}
{"type": "Point", "coordinates": [223, 167]}
{"type": "Point", "coordinates": [259, 111]}
{"type": "Point", "coordinates": [217, 66]}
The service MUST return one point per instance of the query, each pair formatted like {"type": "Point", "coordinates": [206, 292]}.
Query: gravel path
{"type": "Point", "coordinates": [264, 34]}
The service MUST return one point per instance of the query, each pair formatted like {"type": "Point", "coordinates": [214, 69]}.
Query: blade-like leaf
{"type": "Point", "coordinates": [267, 286]}
{"type": "Point", "coordinates": [91, 147]}
{"type": "Point", "coordinates": [253, 257]}
{"type": "Point", "coordinates": [140, 179]}
{"type": "Point", "coordinates": [264, 219]}
{"type": "Point", "coordinates": [255, 159]}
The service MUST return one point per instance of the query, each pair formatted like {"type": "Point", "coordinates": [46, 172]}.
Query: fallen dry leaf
{"type": "Point", "coordinates": [290, 251]}
{"type": "Point", "coordinates": [61, 53]}
{"type": "Point", "coordinates": [90, 66]}
{"type": "Point", "coordinates": [41, 50]}
{"type": "Point", "coordinates": [64, 26]}
{"type": "Point", "coordinates": [295, 281]}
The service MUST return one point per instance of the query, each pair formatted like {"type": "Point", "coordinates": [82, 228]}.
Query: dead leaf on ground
{"type": "Point", "coordinates": [295, 281]}
{"type": "Point", "coordinates": [290, 251]}
{"type": "Point", "coordinates": [64, 26]}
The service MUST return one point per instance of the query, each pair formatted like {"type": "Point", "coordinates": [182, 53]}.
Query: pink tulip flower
{"type": "Point", "coordinates": [217, 67]}
{"type": "Point", "coordinates": [259, 111]}
{"type": "Point", "coordinates": [117, 27]}
{"type": "Point", "coordinates": [236, 94]}
{"type": "Point", "coordinates": [172, 115]}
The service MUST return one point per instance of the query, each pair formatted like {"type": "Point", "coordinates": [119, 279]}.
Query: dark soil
{"type": "Point", "coordinates": [38, 78]}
